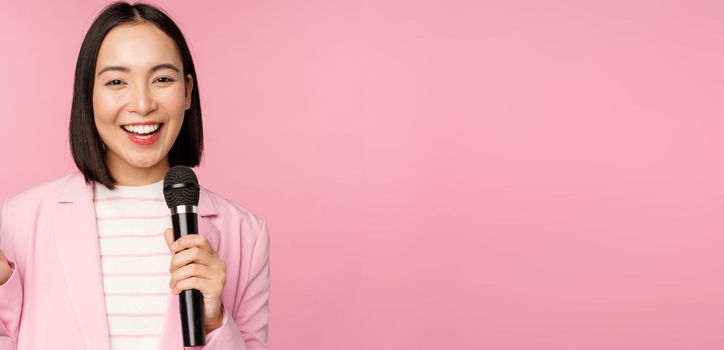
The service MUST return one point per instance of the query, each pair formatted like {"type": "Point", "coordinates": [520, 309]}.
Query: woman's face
{"type": "Point", "coordinates": [139, 97]}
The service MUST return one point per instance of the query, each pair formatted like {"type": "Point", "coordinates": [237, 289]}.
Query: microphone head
{"type": "Point", "coordinates": [181, 187]}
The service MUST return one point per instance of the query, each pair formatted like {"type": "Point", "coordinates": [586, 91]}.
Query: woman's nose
{"type": "Point", "coordinates": [142, 101]}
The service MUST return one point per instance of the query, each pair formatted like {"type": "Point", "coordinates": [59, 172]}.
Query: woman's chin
{"type": "Point", "coordinates": [144, 162]}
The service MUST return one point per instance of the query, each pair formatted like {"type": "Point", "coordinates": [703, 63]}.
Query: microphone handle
{"type": "Point", "coordinates": [191, 302]}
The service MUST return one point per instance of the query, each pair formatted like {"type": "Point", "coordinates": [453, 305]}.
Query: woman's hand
{"type": "Point", "coordinates": [195, 265]}
{"type": "Point", "coordinates": [5, 270]}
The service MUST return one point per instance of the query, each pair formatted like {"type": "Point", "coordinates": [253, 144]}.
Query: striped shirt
{"type": "Point", "coordinates": [135, 262]}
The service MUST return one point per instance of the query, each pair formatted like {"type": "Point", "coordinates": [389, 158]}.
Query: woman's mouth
{"type": "Point", "coordinates": [143, 134]}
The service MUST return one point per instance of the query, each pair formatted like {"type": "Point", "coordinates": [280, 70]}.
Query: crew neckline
{"type": "Point", "coordinates": [155, 184]}
{"type": "Point", "coordinates": [152, 187]}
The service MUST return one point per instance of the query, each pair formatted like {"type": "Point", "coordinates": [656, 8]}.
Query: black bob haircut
{"type": "Point", "coordinates": [85, 142]}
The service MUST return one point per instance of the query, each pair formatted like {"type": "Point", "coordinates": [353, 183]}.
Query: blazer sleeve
{"type": "Point", "coordinates": [247, 327]}
{"type": "Point", "coordinates": [11, 293]}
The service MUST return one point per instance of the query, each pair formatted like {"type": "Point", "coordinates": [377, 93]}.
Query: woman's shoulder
{"type": "Point", "coordinates": [231, 210]}
{"type": "Point", "coordinates": [46, 191]}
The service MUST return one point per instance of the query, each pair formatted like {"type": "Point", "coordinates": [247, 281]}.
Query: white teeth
{"type": "Point", "coordinates": [141, 129]}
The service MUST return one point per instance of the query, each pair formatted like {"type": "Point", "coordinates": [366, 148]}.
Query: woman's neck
{"type": "Point", "coordinates": [128, 175]}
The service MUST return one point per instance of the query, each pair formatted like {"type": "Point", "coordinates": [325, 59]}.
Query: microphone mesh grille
{"type": "Point", "coordinates": [181, 187]}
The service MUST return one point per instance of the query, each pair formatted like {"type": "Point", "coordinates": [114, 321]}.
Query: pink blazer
{"type": "Point", "coordinates": [54, 298]}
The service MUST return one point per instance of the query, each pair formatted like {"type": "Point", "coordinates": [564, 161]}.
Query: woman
{"type": "Point", "coordinates": [88, 261]}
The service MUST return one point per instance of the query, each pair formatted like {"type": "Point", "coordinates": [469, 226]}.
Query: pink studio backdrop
{"type": "Point", "coordinates": [441, 174]}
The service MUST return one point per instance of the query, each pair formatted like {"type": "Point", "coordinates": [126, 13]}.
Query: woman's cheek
{"type": "Point", "coordinates": [103, 105]}
{"type": "Point", "coordinates": [174, 99]}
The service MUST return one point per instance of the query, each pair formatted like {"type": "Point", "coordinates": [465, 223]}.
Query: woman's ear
{"type": "Point", "coordinates": [189, 89]}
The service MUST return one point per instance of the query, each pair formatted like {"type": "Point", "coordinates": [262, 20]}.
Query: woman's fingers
{"type": "Point", "coordinates": [5, 270]}
{"type": "Point", "coordinates": [192, 255]}
{"type": "Point", "coordinates": [193, 270]}
{"type": "Point", "coordinates": [196, 265]}
{"type": "Point", "coordinates": [187, 241]}
{"type": "Point", "coordinates": [169, 238]}
{"type": "Point", "coordinates": [209, 288]}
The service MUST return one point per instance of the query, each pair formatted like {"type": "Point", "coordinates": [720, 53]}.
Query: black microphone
{"type": "Point", "coordinates": [181, 190]}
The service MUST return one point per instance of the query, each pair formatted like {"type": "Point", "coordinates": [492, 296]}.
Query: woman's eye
{"type": "Point", "coordinates": [164, 80]}
{"type": "Point", "coordinates": [114, 82]}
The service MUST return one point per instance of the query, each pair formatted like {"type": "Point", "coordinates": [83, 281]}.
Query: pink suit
{"type": "Point", "coordinates": [54, 299]}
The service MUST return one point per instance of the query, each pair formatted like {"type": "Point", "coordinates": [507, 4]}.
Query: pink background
{"type": "Point", "coordinates": [442, 174]}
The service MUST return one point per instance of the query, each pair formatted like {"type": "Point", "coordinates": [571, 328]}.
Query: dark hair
{"type": "Point", "coordinates": [85, 142]}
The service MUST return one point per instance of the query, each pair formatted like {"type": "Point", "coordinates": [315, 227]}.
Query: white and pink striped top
{"type": "Point", "coordinates": [135, 261]}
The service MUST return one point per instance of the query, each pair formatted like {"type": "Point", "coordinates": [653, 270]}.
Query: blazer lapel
{"type": "Point", "coordinates": [76, 238]}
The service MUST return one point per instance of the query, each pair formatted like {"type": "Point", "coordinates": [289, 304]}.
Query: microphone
{"type": "Point", "coordinates": [181, 191]}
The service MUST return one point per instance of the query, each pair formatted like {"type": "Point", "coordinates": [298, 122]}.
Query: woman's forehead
{"type": "Point", "coordinates": [137, 46]}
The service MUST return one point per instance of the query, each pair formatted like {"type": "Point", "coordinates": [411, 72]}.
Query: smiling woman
{"type": "Point", "coordinates": [134, 71]}
{"type": "Point", "coordinates": [139, 100]}
{"type": "Point", "coordinates": [88, 261]}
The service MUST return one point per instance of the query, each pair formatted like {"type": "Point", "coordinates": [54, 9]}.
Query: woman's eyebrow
{"type": "Point", "coordinates": [126, 69]}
